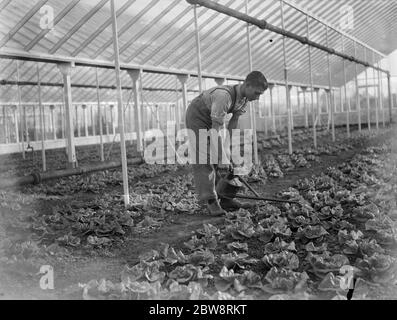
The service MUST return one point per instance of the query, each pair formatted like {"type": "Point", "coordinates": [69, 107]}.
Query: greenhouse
{"type": "Point", "coordinates": [102, 190]}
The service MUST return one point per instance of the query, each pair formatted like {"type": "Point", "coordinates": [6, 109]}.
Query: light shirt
{"type": "Point", "coordinates": [220, 102]}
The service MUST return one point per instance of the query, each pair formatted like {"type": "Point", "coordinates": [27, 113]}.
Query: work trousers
{"type": "Point", "coordinates": [198, 117]}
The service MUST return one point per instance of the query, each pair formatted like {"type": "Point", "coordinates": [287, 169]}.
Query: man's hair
{"type": "Point", "coordinates": [256, 79]}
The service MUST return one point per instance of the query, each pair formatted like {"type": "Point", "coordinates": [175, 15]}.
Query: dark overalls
{"type": "Point", "coordinates": [198, 116]}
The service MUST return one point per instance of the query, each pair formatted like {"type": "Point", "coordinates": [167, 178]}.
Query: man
{"type": "Point", "coordinates": [208, 111]}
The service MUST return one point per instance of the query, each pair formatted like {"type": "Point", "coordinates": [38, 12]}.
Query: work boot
{"type": "Point", "coordinates": [214, 208]}
{"type": "Point", "coordinates": [233, 204]}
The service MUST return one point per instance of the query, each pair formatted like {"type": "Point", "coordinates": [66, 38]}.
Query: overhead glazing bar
{"type": "Point", "coordinates": [264, 25]}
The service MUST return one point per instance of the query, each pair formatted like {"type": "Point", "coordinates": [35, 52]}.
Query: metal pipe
{"type": "Point", "coordinates": [63, 121]}
{"type": "Point", "coordinates": [390, 98]}
{"type": "Point", "coordinates": [252, 109]}
{"type": "Point", "coordinates": [263, 24]}
{"type": "Point", "coordinates": [42, 125]}
{"type": "Point", "coordinates": [22, 115]}
{"type": "Point", "coordinates": [331, 105]}
{"type": "Point", "coordinates": [271, 87]}
{"type": "Point", "coordinates": [120, 105]}
{"type": "Point", "coordinates": [287, 90]}
{"type": "Point", "coordinates": [87, 86]}
{"type": "Point", "coordinates": [77, 120]}
{"type": "Point", "coordinates": [367, 93]}
{"type": "Point", "coordinates": [376, 93]}
{"type": "Point", "coordinates": [52, 107]}
{"type": "Point", "coordinates": [37, 177]}
{"type": "Point", "coordinates": [93, 124]}
{"type": "Point", "coordinates": [358, 102]}
{"type": "Point", "coordinates": [5, 123]}
{"type": "Point", "coordinates": [16, 119]}
{"type": "Point", "coordinates": [381, 107]}
{"type": "Point", "coordinates": [305, 108]}
{"type": "Point", "coordinates": [345, 87]}
{"type": "Point", "coordinates": [198, 48]}
{"type": "Point", "coordinates": [311, 85]}
{"type": "Point", "coordinates": [24, 56]}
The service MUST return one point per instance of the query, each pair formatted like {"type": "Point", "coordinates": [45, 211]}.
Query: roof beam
{"type": "Point", "coordinates": [130, 42]}
{"type": "Point", "coordinates": [189, 36]}
{"type": "Point", "coordinates": [77, 26]}
{"type": "Point", "coordinates": [4, 4]}
{"type": "Point", "coordinates": [84, 86]}
{"type": "Point", "coordinates": [158, 35]}
{"type": "Point", "coordinates": [58, 18]}
{"type": "Point", "coordinates": [122, 30]}
{"type": "Point", "coordinates": [262, 24]}
{"type": "Point", "coordinates": [37, 57]}
{"type": "Point", "coordinates": [172, 37]}
{"type": "Point", "coordinates": [293, 4]}
{"type": "Point", "coordinates": [22, 22]}
{"type": "Point", "coordinates": [107, 23]}
{"type": "Point", "coordinates": [189, 51]}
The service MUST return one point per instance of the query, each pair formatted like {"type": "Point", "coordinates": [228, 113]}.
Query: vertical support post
{"type": "Point", "coordinates": [34, 123]}
{"type": "Point", "coordinates": [317, 90]}
{"type": "Point", "coordinates": [286, 81]}
{"type": "Point", "coordinates": [84, 107]}
{"type": "Point", "coordinates": [358, 102]}
{"type": "Point", "coordinates": [77, 121]}
{"type": "Point", "coordinates": [144, 113]}
{"type": "Point", "coordinates": [305, 108]}
{"type": "Point", "coordinates": [345, 86]}
{"type": "Point", "coordinates": [93, 125]}
{"type": "Point", "coordinates": [367, 92]}
{"type": "Point", "coordinates": [331, 104]}
{"type": "Point", "coordinates": [198, 47]}
{"type": "Point", "coordinates": [158, 117]}
{"type": "Point", "coordinates": [112, 119]}
{"type": "Point", "coordinates": [26, 128]}
{"type": "Point", "coordinates": [54, 133]}
{"type": "Point", "coordinates": [183, 80]}
{"type": "Point", "coordinates": [291, 109]}
{"type": "Point", "coordinates": [66, 70]}
{"type": "Point", "coordinates": [271, 87]}
{"type": "Point", "coordinates": [390, 98]}
{"type": "Point", "coordinates": [252, 109]}
{"type": "Point", "coordinates": [14, 109]}
{"type": "Point", "coordinates": [265, 117]}
{"type": "Point", "coordinates": [326, 94]}
{"type": "Point", "coordinates": [177, 108]}
{"type": "Point", "coordinates": [319, 111]}
{"type": "Point", "coordinates": [311, 84]}
{"type": "Point", "coordinates": [105, 111]}
{"type": "Point", "coordinates": [22, 114]}
{"type": "Point", "coordinates": [120, 105]}
{"type": "Point", "coordinates": [98, 96]}
{"type": "Point", "coordinates": [130, 118]}
{"type": "Point", "coordinates": [63, 125]}
{"type": "Point", "coordinates": [381, 107]}
{"type": "Point", "coordinates": [42, 125]}
{"type": "Point", "coordinates": [135, 75]}
{"type": "Point", "coordinates": [376, 93]}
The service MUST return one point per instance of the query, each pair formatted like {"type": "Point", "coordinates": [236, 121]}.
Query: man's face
{"type": "Point", "coordinates": [253, 93]}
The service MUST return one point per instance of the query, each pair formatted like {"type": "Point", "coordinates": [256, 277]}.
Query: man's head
{"type": "Point", "coordinates": [255, 85]}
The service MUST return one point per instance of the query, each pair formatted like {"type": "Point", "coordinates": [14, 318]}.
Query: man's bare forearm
{"type": "Point", "coordinates": [233, 124]}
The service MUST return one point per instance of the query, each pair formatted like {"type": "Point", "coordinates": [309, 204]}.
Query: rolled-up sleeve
{"type": "Point", "coordinates": [221, 103]}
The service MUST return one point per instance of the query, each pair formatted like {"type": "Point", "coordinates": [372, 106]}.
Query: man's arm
{"type": "Point", "coordinates": [221, 103]}
{"type": "Point", "coordinates": [233, 124]}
